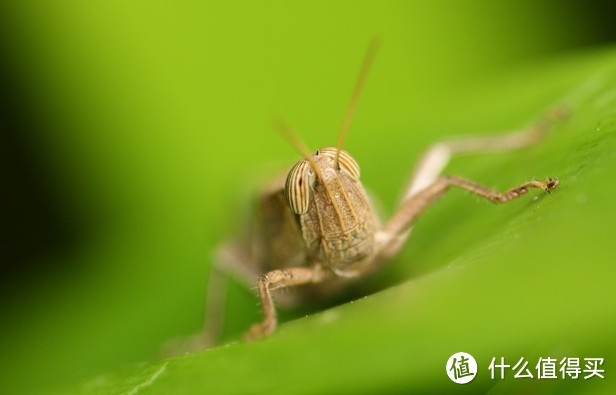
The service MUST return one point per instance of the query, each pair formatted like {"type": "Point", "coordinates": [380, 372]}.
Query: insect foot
{"type": "Point", "coordinates": [551, 183]}
{"type": "Point", "coordinates": [259, 331]}
{"type": "Point", "coordinates": [515, 192]}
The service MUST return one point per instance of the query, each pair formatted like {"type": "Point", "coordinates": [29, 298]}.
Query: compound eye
{"type": "Point", "coordinates": [298, 185]}
{"type": "Point", "coordinates": [345, 161]}
{"type": "Point", "coordinates": [348, 164]}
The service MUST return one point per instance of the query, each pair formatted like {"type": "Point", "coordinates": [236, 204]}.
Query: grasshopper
{"type": "Point", "coordinates": [317, 226]}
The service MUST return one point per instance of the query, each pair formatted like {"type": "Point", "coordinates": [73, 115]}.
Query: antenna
{"type": "Point", "coordinates": [365, 68]}
{"type": "Point", "coordinates": [298, 144]}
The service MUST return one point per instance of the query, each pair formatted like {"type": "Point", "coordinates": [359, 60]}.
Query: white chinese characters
{"type": "Point", "coordinates": [549, 368]}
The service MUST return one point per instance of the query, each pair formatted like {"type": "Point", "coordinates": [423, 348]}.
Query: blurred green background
{"type": "Point", "coordinates": [135, 131]}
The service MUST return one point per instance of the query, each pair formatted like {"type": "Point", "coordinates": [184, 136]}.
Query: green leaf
{"type": "Point", "coordinates": [148, 118]}
{"type": "Point", "coordinates": [533, 278]}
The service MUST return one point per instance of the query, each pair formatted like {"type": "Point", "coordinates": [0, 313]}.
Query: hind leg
{"type": "Point", "coordinates": [435, 159]}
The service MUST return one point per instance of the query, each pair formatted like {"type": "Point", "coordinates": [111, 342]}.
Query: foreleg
{"type": "Point", "coordinates": [280, 279]}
